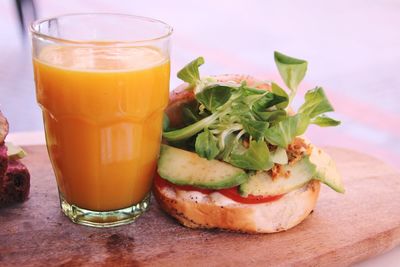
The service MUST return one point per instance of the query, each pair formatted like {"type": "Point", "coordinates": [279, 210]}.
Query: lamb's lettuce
{"type": "Point", "coordinates": [256, 157]}
{"type": "Point", "coordinates": [324, 121]}
{"type": "Point", "coordinates": [283, 133]}
{"type": "Point", "coordinates": [214, 96]}
{"type": "Point", "coordinates": [273, 116]}
{"type": "Point", "coordinates": [316, 103]}
{"type": "Point", "coordinates": [206, 145]}
{"type": "Point", "coordinates": [292, 71]}
{"type": "Point", "coordinates": [190, 73]}
{"type": "Point", "coordinates": [254, 128]}
{"type": "Point", "coordinates": [236, 123]}
{"type": "Point", "coordinates": [189, 131]}
{"type": "Point", "coordinates": [277, 90]}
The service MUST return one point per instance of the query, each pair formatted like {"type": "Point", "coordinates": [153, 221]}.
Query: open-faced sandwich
{"type": "Point", "coordinates": [234, 156]}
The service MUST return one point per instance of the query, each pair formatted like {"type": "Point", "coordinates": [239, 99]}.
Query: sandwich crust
{"type": "Point", "coordinates": [203, 211]}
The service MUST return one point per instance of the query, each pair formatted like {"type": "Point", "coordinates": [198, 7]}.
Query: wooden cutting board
{"type": "Point", "coordinates": [342, 230]}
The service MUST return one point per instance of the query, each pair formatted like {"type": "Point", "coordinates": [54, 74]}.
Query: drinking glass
{"type": "Point", "coordinates": [102, 82]}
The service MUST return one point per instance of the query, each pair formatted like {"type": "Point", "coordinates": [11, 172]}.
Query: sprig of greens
{"type": "Point", "coordinates": [238, 123]}
{"type": "Point", "coordinates": [255, 157]}
{"type": "Point", "coordinates": [190, 73]}
{"type": "Point", "coordinates": [292, 71]}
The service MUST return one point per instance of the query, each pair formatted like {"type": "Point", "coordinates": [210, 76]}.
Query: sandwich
{"type": "Point", "coordinates": [234, 155]}
{"type": "Point", "coordinates": [14, 176]}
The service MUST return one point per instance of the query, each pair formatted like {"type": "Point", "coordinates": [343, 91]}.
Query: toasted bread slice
{"type": "Point", "coordinates": [197, 210]}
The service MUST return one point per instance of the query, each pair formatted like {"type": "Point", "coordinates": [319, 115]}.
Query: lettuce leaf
{"type": "Point", "coordinates": [254, 128]}
{"type": "Point", "coordinates": [206, 145]}
{"type": "Point", "coordinates": [283, 133]}
{"type": "Point", "coordinates": [272, 117]}
{"type": "Point", "coordinates": [227, 115]}
{"type": "Point", "coordinates": [190, 73]}
{"type": "Point", "coordinates": [324, 121]}
{"type": "Point", "coordinates": [191, 130]}
{"type": "Point", "coordinates": [269, 100]}
{"type": "Point", "coordinates": [214, 96]}
{"type": "Point", "coordinates": [315, 103]}
{"type": "Point", "coordinates": [256, 157]}
{"type": "Point", "coordinates": [277, 90]}
{"type": "Point", "coordinates": [292, 70]}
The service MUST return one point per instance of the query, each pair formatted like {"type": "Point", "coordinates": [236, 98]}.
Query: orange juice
{"type": "Point", "coordinates": [102, 110]}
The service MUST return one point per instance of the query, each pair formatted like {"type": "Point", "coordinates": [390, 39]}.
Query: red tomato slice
{"type": "Point", "coordinates": [231, 193]}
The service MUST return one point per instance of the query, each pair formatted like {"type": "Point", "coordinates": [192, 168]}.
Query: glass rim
{"type": "Point", "coordinates": [33, 29]}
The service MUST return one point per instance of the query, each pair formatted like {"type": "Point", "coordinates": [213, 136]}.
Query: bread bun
{"type": "Point", "coordinates": [197, 210]}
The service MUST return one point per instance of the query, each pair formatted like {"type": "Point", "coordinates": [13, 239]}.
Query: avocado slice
{"type": "Point", "coordinates": [262, 184]}
{"type": "Point", "coordinates": [182, 167]}
{"type": "Point", "coordinates": [326, 170]}
{"type": "Point", "coordinates": [14, 152]}
{"type": "Point", "coordinates": [319, 166]}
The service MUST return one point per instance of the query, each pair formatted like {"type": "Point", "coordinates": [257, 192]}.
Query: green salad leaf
{"type": "Point", "coordinates": [214, 96]}
{"type": "Point", "coordinates": [230, 142]}
{"type": "Point", "coordinates": [283, 133]}
{"type": "Point", "coordinates": [189, 131]}
{"type": "Point", "coordinates": [254, 128]}
{"type": "Point", "coordinates": [277, 90]}
{"type": "Point", "coordinates": [238, 123]}
{"type": "Point", "coordinates": [256, 157]}
{"type": "Point", "coordinates": [292, 71]}
{"type": "Point", "coordinates": [315, 103]}
{"type": "Point", "coordinates": [268, 100]}
{"type": "Point", "coordinates": [190, 73]}
{"type": "Point", "coordinates": [273, 116]}
{"type": "Point", "coordinates": [324, 121]}
{"type": "Point", "coordinates": [206, 145]}
{"type": "Point", "coordinates": [189, 116]}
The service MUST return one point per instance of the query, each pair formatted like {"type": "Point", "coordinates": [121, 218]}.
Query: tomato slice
{"type": "Point", "coordinates": [231, 193]}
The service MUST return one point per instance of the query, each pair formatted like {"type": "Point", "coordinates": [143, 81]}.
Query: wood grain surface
{"type": "Point", "coordinates": [342, 230]}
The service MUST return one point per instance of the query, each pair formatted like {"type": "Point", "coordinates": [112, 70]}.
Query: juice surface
{"type": "Point", "coordinates": [102, 110]}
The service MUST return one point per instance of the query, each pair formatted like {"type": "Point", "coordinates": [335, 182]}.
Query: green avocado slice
{"type": "Point", "coordinates": [182, 167]}
{"type": "Point", "coordinates": [319, 166]}
{"type": "Point", "coordinates": [326, 170]}
{"type": "Point", "coordinates": [262, 184]}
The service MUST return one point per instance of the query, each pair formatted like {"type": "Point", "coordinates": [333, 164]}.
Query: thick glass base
{"type": "Point", "coordinates": [102, 219]}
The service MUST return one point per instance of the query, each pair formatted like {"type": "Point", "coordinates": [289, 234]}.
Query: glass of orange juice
{"type": "Point", "coordinates": [102, 82]}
